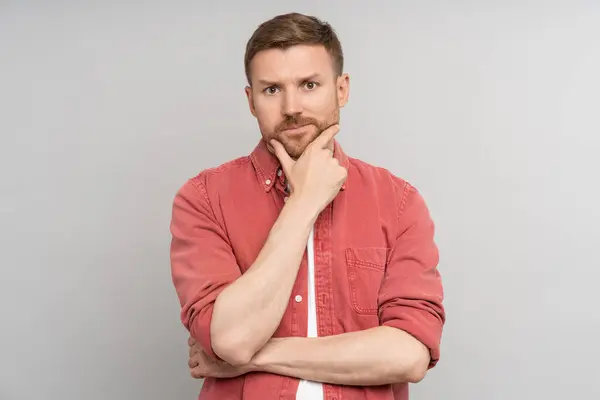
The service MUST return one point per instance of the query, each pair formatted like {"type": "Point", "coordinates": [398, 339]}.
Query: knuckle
{"type": "Point", "coordinates": [196, 375]}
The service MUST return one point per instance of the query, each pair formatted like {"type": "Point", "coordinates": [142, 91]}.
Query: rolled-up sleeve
{"type": "Point", "coordinates": [411, 294]}
{"type": "Point", "coordinates": [202, 261]}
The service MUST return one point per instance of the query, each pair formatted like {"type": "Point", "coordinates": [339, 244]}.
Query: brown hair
{"type": "Point", "coordinates": [292, 29]}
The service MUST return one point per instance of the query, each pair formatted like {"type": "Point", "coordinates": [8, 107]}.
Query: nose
{"type": "Point", "coordinates": [292, 104]}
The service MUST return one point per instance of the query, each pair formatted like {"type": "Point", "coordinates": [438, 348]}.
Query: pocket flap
{"type": "Point", "coordinates": [374, 257]}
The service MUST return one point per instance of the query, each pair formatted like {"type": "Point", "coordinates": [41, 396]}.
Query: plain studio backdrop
{"type": "Point", "coordinates": [490, 108]}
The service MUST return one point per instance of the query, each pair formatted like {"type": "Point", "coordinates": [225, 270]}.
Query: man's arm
{"type": "Point", "coordinates": [232, 315]}
{"type": "Point", "coordinates": [249, 310]}
{"type": "Point", "coordinates": [376, 356]}
{"type": "Point", "coordinates": [411, 294]}
{"type": "Point", "coordinates": [411, 315]}
{"type": "Point", "coordinates": [410, 312]}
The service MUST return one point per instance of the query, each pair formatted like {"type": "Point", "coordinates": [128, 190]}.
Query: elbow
{"type": "Point", "coordinates": [233, 351]}
{"type": "Point", "coordinates": [416, 375]}
{"type": "Point", "coordinates": [417, 369]}
{"type": "Point", "coordinates": [231, 345]}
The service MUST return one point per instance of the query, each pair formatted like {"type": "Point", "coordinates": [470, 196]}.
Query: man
{"type": "Point", "coordinates": [303, 273]}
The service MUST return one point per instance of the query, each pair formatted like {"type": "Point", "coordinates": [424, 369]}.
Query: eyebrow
{"type": "Point", "coordinates": [265, 82]}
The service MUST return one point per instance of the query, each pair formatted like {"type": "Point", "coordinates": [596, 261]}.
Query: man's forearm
{"type": "Point", "coordinates": [247, 312]}
{"type": "Point", "coordinates": [377, 356]}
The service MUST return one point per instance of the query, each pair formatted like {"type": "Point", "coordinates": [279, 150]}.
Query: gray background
{"type": "Point", "coordinates": [490, 108]}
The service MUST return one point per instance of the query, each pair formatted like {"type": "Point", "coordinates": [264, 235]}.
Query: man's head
{"type": "Point", "coordinates": [294, 66]}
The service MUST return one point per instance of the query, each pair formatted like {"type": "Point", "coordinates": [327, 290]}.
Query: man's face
{"type": "Point", "coordinates": [295, 95]}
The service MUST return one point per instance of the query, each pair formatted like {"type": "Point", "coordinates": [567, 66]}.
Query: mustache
{"type": "Point", "coordinates": [292, 122]}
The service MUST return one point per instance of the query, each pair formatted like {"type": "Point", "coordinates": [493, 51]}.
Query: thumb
{"type": "Point", "coordinates": [284, 158]}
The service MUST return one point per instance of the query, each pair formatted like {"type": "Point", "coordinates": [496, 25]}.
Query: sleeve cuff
{"type": "Point", "coordinates": [200, 330]}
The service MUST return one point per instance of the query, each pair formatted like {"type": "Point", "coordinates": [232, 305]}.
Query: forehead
{"type": "Point", "coordinates": [292, 63]}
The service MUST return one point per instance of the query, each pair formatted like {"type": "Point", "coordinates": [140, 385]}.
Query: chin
{"type": "Point", "coordinates": [294, 150]}
{"type": "Point", "coordinates": [297, 146]}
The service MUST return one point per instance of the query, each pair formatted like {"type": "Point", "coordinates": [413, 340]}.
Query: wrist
{"type": "Point", "coordinates": [304, 207]}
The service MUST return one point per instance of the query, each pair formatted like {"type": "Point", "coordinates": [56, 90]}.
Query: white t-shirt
{"type": "Point", "coordinates": [309, 390]}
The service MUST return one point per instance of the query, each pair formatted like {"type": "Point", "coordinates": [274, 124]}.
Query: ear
{"type": "Point", "coordinates": [250, 100]}
{"type": "Point", "coordinates": [343, 89]}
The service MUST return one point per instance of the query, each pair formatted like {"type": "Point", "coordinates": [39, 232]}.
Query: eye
{"type": "Point", "coordinates": [311, 85]}
{"type": "Point", "coordinates": [271, 90]}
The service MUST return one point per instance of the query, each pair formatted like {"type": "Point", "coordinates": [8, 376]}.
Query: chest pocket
{"type": "Point", "coordinates": [366, 269]}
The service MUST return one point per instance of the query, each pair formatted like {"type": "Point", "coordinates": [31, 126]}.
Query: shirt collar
{"type": "Point", "coordinates": [267, 164]}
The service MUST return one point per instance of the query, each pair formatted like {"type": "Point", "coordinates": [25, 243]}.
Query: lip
{"type": "Point", "coordinates": [296, 131]}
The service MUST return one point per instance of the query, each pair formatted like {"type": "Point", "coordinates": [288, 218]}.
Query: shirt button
{"type": "Point", "coordinates": [298, 298]}
{"type": "Point", "coordinates": [278, 172]}
{"type": "Point", "coordinates": [268, 181]}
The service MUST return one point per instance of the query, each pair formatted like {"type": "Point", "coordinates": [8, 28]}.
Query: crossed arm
{"type": "Point", "coordinates": [376, 356]}
{"type": "Point", "coordinates": [411, 315]}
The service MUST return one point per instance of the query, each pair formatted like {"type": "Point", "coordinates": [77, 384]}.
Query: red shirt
{"type": "Point", "coordinates": [375, 262]}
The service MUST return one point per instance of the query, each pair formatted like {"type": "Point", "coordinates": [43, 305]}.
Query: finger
{"type": "Point", "coordinates": [192, 363]}
{"type": "Point", "coordinates": [191, 341]}
{"type": "Point", "coordinates": [326, 136]}
{"type": "Point", "coordinates": [195, 349]}
{"type": "Point", "coordinates": [284, 158]}
{"type": "Point", "coordinates": [197, 374]}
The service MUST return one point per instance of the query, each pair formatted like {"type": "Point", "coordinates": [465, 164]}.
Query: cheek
{"type": "Point", "coordinates": [325, 100]}
{"type": "Point", "coordinates": [267, 112]}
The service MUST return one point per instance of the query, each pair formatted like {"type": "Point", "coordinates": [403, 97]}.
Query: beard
{"type": "Point", "coordinates": [295, 145]}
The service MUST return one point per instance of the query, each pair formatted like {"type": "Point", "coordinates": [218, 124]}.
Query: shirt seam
{"type": "Point", "coordinates": [201, 189]}
{"type": "Point", "coordinates": [408, 188]}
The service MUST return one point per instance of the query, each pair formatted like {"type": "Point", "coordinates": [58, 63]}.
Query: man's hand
{"type": "Point", "coordinates": [316, 176]}
{"type": "Point", "coordinates": [201, 366]}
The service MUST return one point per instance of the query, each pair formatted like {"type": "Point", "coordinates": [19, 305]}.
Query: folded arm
{"type": "Point", "coordinates": [411, 314]}
{"type": "Point", "coordinates": [376, 356]}
{"type": "Point", "coordinates": [232, 315]}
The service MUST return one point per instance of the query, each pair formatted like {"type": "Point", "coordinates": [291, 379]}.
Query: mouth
{"type": "Point", "coordinates": [294, 130]}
